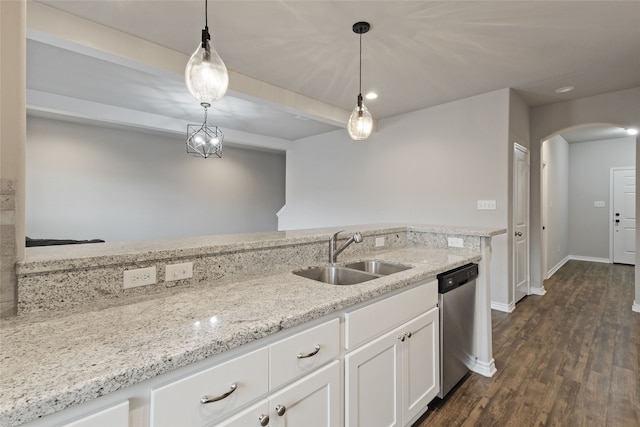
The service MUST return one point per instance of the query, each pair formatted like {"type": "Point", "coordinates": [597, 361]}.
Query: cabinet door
{"type": "Point", "coordinates": [420, 364]}
{"type": "Point", "coordinates": [255, 416]}
{"type": "Point", "coordinates": [372, 375]}
{"type": "Point", "coordinates": [313, 401]}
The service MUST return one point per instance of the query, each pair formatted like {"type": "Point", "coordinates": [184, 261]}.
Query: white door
{"type": "Point", "coordinates": [624, 216]}
{"type": "Point", "coordinates": [520, 221]}
{"type": "Point", "coordinates": [372, 376]}
{"type": "Point", "coordinates": [420, 364]}
{"type": "Point", "coordinates": [313, 401]}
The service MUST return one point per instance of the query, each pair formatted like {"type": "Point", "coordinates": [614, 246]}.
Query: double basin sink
{"type": "Point", "coordinates": [352, 273]}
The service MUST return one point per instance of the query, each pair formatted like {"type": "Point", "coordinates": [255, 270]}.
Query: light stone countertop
{"type": "Point", "coordinates": [54, 258]}
{"type": "Point", "coordinates": [52, 361]}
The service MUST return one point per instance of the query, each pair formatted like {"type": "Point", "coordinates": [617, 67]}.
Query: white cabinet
{"type": "Point", "coordinates": [390, 380]}
{"type": "Point", "coordinates": [249, 378]}
{"type": "Point", "coordinates": [227, 387]}
{"type": "Point", "coordinates": [113, 416]}
{"type": "Point", "coordinates": [313, 401]}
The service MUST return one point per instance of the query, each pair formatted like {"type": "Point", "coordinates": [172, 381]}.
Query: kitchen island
{"type": "Point", "coordinates": [64, 359]}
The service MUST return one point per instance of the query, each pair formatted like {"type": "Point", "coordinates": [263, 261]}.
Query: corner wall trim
{"type": "Point", "coordinates": [538, 291]}
{"type": "Point", "coordinates": [558, 266]}
{"type": "Point", "coordinates": [484, 369]}
{"type": "Point", "coordinates": [507, 308]}
{"type": "Point", "coordinates": [590, 259]}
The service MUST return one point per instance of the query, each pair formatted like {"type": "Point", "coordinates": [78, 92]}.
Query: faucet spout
{"type": "Point", "coordinates": [333, 252]}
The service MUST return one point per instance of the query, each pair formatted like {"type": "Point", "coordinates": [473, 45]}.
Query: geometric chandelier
{"type": "Point", "coordinates": [204, 140]}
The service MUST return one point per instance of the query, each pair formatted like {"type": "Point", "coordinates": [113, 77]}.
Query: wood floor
{"type": "Point", "coordinates": [569, 358]}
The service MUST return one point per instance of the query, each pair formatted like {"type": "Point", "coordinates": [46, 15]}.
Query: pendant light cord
{"type": "Point", "coordinates": [360, 87]}
{"type": "Point", "coordinates": [206, 14]}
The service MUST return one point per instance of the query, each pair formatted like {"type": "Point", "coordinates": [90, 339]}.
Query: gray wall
{"type": "Point", "coordinates": [614, 108]}
{"type": "Point", "coordinates": [590, 166]}
{"type": "Point", "coordinates": [555, 152]}
{"type": "Point", "coordinates": [429, 166]}
{"type": "Point", "coordinates": [85, 182]}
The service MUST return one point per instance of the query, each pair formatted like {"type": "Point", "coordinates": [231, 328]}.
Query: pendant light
{"type": "Point", "coordinates": [204, 140]}
{"type": "Point", "coordinates": [360, 122]}
{"type": "Point", "coordinates": [206, 75]}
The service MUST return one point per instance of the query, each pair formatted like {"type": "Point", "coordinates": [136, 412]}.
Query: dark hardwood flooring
{"type": "Point", "coordinates": [568, 358]}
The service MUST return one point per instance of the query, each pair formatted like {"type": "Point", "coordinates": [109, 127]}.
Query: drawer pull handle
{"type": "Point", "coordinates": [313, 353]}
{"type": "Point", "coordinates": [264, 420]}
{"type": "Point", "coordinates": [209, 399]}
{"type": "Point", "coordinates": [281, 409]}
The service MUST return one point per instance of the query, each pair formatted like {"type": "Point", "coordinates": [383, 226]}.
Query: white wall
{"type": "Point", "coordinates": [555, 153]}
{"type": "Point", "coordinates": [429, 166]}
{"type": "Point", "coordinates": [85, 182]}
{"type": "Point", "coordinates": [614, 108]}
{"type": "Point", "coordinates": [590, 166]}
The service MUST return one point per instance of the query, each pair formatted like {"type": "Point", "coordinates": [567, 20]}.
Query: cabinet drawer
{"type": "Point", "coordinates": [178, 403]}
{"type": "Point", "coordinates": [284, 361]}
{"type": "Point", "coordinates": [370, 321]}
{"type": "Point", "coordinates": [114, 416]}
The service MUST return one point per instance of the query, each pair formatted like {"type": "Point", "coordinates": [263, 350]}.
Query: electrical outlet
{"type": "Point", "coordinates": [178, 271]}
{"type": "Point", "coordinates": [139, 277]}
{"type": "Point", "coordinates": [379, 241]}
{"type": "Point", "coordinates": [487, 205]}
{"type": "Point", "coordinates": [598, 204]}
{"type": "Point", "coordinates": [455, 242]}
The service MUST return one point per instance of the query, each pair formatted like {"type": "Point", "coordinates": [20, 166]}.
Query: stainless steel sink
{"type": "Point", "coordinates": [375, 266]}
{"type": "Point", "coordinates": [335, 275]}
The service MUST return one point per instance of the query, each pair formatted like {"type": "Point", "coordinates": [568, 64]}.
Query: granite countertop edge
{"type": "Point", "coordinates": [60, 258]}
{"type": "Point", "coordinates": [106, 357]}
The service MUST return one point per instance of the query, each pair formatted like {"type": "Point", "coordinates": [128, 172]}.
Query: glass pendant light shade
{"type": "Point", "coordinates": [360, 122]}
{"type": "Point", "coordinates": [206, 75]}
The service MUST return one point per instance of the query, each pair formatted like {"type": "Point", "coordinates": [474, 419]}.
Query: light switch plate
{"type": "Point", "coordinates": [379, 241]}
{"type": "Point", "coordinates": [487, 205]}
{"type": "Point", "coordinates": [139, 277]}
{"type": "Point", "coordinates": [178, 271]}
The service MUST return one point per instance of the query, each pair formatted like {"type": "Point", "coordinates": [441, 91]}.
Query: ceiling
{"type": "Point", "coordinates": [417, 54]}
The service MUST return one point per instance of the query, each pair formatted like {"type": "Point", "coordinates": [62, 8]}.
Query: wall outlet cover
{"type": "Point", "coordinates": [379, 241]}
{"type": "Point", "coordinates": [455, 242]}
{"type": "Point", "coordinates": [178, 271]}
{"type": "Point", "coordinates": [598, 204]}
{"type": "Point", "coordinates": [139, 277]}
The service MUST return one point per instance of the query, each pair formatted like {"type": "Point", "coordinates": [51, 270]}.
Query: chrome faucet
{"type": "Point", "coordinates": [333, 252]}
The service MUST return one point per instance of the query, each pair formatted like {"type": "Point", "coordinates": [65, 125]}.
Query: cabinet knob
{"type": "Point", "coordinates": [409, 334]}
{"type": "Point", "coordinates": [281, 409]}
{"type": "Point", "coordinates": [264, 420]}
{"type": "Point", "coordinates": [315, 351]}
{"type": "Point", "coordinates": [518, 233]}
{"type": "Point", "coordinates": [209, 399]}
{"type": "Point", "coordinates": [402, 337]}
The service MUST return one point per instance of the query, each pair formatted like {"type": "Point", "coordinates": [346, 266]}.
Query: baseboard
{"type": "Point", "coordinates": [538, 291]}
{"type": "Point", "coordinates": [590, 259]}
{"type": "Point", "coordinates": [557, 267]}
{"type": "Point", "coordinates": [636, 307]}
{"type": "Point", "coordinates": [507, 308]}
{"type": "Point", "coordinates": [483, 368]}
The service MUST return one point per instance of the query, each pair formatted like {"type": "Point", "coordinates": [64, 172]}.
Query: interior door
{"type": "Point", "coordinates": [624, 216]}
{"type": "Point", "coordinates": [520, 221]}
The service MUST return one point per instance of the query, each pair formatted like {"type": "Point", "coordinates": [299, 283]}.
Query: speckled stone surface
{"type": "Point", "coordinates": [52, 361]}
{"type": "Point", "coordinates": [62, 277]}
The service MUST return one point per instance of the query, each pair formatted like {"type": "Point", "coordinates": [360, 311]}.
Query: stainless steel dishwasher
{"type": "Point", "coordinates": [456, 299]}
